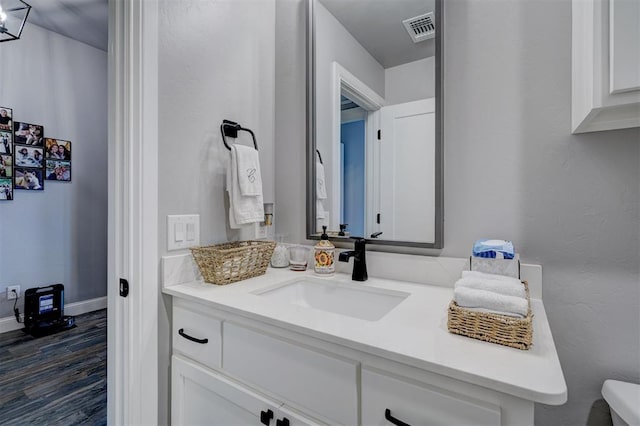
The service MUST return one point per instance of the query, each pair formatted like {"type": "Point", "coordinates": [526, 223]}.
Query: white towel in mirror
{"type": "Point", "coordinates": [321, 189]}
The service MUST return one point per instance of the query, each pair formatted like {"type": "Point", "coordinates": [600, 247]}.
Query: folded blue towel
{"type": "Point", "coordinates": [500, 249]}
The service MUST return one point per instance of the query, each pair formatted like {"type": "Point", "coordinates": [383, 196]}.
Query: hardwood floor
{"type": "Point", "coordinates": [55, 380]}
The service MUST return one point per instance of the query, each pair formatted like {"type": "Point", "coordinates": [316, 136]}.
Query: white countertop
{"type": "Point", "coordinates": [413, 333]}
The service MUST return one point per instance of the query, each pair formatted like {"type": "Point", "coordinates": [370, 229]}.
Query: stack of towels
{"type": "Point", "coordinates": [244, 185]}
{"type": "Point", "coordinates": [498, 294]}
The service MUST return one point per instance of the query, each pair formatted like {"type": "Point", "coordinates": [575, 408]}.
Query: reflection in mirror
{"type": "Point", "coordinates": [377, 140]}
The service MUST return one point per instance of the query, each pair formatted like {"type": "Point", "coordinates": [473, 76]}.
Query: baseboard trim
{"type": "Point", "coordinates": [76, 308]}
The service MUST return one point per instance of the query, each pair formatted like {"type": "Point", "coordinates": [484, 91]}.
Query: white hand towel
{"type": "Point", "coordinates": [508, 288]}
{"type": "Point", "coordinates": [242, 210]}
{"type": "Point", "coordinates": [320, 212]}
{"type": "Point", "coordinates": [249, 176]}
{"type": "Point", "coordinates": [491, 311]}
{"type": "Point", "coordinates": [472, 298]}
{"type": "Point", "coordinates": [321, 189]}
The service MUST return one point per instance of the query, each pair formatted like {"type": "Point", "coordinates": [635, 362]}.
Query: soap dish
{"type": "Point", "coordinates": [494, 328]}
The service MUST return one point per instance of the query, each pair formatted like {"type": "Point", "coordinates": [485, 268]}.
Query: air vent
{"type": "Point", "coordinates": [421, 28]}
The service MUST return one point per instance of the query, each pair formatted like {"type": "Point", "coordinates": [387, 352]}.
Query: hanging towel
{"type": "Point", "coordinates": [472, 298]}
{"type": "Point", "coordinates": [501, 287]}
{"type": "Point", "coordinates": [242, 209]}
{"type": "Point", "coordinates": [320, 212]}
{"type": "Point", "coordinates": [249, 176]}
{"type": "Point", "coordinates": [321, 189]}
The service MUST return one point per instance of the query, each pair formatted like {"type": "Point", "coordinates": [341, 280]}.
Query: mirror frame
{"type": "Point", "coordinates": [439, 137]}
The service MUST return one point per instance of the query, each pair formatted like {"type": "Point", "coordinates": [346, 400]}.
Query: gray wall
{"type": "Point", "coordinates": [58, 235]}
{"type": "Point", "coordinates": [212, 66]}
{"type": "Point", "coordinates": [569, 202]}
{"type": "Point", "coordinates": [411, 81]}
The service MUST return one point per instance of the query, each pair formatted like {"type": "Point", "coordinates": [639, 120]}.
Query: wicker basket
{"type": "Point", "coordinates": [494, 328]}
{"type": "Point", "coordinates": [230, 262]}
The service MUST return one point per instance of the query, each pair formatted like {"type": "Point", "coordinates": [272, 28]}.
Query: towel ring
{"type": "Point", "coordinates": [319, 157]}
{"type": "Point", "coordinates": [231, 129]}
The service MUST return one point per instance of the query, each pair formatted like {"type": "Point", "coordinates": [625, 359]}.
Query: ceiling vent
{"type": "Point", "coordinates": [421, 27]}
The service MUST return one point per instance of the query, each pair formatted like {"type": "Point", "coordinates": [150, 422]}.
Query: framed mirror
{"type": "Point", "coordinates": [375, 140]}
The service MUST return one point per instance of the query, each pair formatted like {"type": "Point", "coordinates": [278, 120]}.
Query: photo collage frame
{"type": "Point", "coordinates": [28, 158]}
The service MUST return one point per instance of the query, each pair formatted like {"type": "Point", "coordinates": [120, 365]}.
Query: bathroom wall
{"type": "Point", "coordinates": [58, 235]}
{"type": "Point", "coordinates": [216, 61]}
{"type": "Point", "coordinates": [411, 81]}
{"type": "Point", "coordinates": [569, 202]}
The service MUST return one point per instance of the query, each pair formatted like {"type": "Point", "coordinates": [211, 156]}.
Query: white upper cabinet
{"type": "Point", "coordinates": [605, 65]}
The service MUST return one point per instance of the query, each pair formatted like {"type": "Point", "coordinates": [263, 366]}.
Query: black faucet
{"type": "Point", "coordinates": [359, 259]}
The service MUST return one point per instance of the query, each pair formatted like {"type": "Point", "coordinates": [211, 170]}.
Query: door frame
{"type": "Point", "coordinates": [345, 82]}
{"type": "Point", "coordinates": [132, 331]}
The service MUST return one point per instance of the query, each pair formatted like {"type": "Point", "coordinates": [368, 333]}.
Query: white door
{"type": "Point", "coordinates": [202, 397]}
{"type": "Point", "coordinates": [407, 171]}
{"type": "Point", "coordinates": [132, 332]}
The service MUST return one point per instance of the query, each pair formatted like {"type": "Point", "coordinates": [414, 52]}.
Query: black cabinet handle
{"type": "Point", "coordinates": [283, 422]}
{"type": "Point", "coordinates": [193, 339]}
{"type": "Point", "coordinates": [265, 417]}
{"type": "Point", "coordinates": [397, 422]}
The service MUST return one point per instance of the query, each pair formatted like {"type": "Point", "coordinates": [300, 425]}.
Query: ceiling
{"type": "Point", "coordinates": [83, 20]}
{"type": "Point", "coordinates": [377, 25]}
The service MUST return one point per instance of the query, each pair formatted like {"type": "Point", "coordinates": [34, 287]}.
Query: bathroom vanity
{"type": "Point", "coordinates": [290, 348]}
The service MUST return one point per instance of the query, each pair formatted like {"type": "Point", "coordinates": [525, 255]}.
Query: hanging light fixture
{"type": "Point", "coordinates": [13, 15]}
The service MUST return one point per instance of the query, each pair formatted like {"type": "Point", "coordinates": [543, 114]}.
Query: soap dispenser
{"type": "Point", "coordinates": [323, 255]}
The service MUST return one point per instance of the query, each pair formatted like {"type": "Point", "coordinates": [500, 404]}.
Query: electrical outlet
{"type": "Point", "coordinates": [10, 294]}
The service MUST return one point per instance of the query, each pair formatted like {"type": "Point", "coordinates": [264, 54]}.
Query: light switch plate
{"type": "Point", "coordinates": [183, 231]}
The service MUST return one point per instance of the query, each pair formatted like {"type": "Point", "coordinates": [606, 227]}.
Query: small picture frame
{"type": "Point", "coordinates": [6, 189]}
{"type": "Point", "coordinates": [29, 156]}
{"type": "Point", "coordinates": [58, 170]}
{"type": "Point", "coordinates": [28, 134]}
{"type": "Point", "coordinates": [58, 149]}
{"type": "Point", "coordinates": [6, 142]}
{"type": "Point", "coordinates": [28, 179]}
{"type": "Point", "coordinates": [6, 117]}
{"type": "Point", "coordinates": [6, 166]}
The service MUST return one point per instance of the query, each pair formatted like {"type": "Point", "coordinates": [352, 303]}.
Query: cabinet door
{"type": "Point", "coordinates": [388, 400]}
{"type": "Point", "coordinates": [201, 397]}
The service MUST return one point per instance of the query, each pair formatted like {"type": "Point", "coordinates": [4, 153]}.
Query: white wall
{"type": "Point", "coordinates": [216, 62]}
{"type": "Point", "coordinates": [58, 235]}
{"type": "Point", "coordinates": [334, 43]}
{"type": "Point", "coordinates": [569, 202]}
{"type": "Point", "coordinates": [411, 81]}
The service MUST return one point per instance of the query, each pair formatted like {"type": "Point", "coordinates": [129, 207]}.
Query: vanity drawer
{"type": "Point", "coordinates": [417, 404]}
{"type": "Point", "coordinates": [198, 336]}
{"type": "Point", "coordinates": [314, 381]}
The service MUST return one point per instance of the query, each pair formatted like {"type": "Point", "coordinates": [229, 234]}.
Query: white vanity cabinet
{"type": "Point", "coordinates": [247, 367]}
{"type": "Point", "coordinates": [605, 65]}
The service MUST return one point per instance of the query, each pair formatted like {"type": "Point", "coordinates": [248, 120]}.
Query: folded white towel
{"type": "Point", "coordinates": [321, 189]}
{"type": "Point", "coordinates": [242, 209]}
{"type": "Point", "coordinates": [471, 298]}
{"type": "Point", "coordinates": [249, 176]}
{"type": "Point", "coordinates": [508, 288]}
{"type": "Point", "coordinates": [491, 311]}
{"type": "Point", "coordinates": [484, 275]}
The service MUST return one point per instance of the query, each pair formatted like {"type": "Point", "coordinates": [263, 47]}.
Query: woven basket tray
{"type": "Point", "coordinates": [494, 328]}
{"type": "Point", "coordinates": [230, 262]}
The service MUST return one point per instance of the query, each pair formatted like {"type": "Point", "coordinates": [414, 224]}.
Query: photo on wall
{"type": "Point", "coordinates": [58, 149]}
{"type": "Point", "coordinates": [28, 134]}
{"type": "Point", "coordinates": [6, 115]}
{"type": "Point", "coordinates": [6, 189]}
{"type": "Point", "coordinates": [6, 142]}
{"type": "Point", "coordinates": [29, 156]}
{"type": "Point", "coordinates": [59, 170]}
{"type": "Point", "coordinates": [28, 179]}
{"type": "Point", "coordinates": [6, 166]}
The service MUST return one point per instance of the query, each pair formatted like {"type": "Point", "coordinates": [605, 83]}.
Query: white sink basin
{"type": "Point", "coordinates": [365, 303]}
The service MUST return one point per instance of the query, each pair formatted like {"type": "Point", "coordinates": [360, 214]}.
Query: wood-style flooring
{"type": "Point", "coordinates": [55, 380]}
